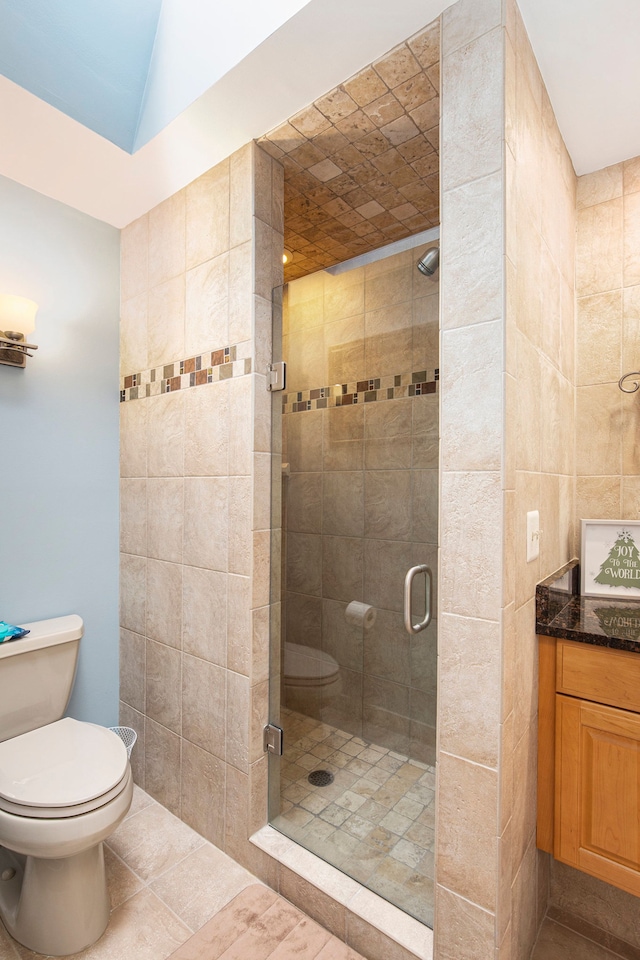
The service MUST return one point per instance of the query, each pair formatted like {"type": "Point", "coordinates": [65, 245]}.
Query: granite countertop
{"type": "Point", "coordinates": [562, 612]}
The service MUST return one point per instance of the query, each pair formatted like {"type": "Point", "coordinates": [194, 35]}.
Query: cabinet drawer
{"type": "Point", "coordinates": [598, 673]}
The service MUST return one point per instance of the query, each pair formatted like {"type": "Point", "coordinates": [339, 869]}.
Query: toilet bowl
{"type": "Point", "coordinates": [65, 785]}
{"type": "Point", "coordinates": [311, 678]}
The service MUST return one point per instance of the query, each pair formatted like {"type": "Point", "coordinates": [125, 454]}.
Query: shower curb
{"type": "Point", "coordinates": [362, 907]}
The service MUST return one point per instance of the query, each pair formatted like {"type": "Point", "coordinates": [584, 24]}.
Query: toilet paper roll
{"type": "Point", "coordinates": [360, 615]}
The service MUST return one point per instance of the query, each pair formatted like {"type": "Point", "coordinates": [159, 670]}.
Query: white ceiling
{"type": "Point", "coordinates": [587, 51]}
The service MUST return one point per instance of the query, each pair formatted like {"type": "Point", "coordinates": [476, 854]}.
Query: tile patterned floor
{"type": "Point", "coordinates": [375, 821]}
{"type": "Point", "coordinates": [166, 882]}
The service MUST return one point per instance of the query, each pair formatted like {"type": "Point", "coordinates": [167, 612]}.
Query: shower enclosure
{"type": "Point", "coordinates": [355, 498]}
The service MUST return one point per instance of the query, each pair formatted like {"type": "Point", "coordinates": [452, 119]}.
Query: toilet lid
{"type": "Point", "coordinates": [307, 666]}
{"type": "Point", "coordinates": [63, 764]}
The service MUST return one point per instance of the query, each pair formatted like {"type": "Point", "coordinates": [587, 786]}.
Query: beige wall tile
{"type": "Point", "coordinates": [631, 239]}
{"type": "Point", "coordinates": [524, 907]}
{"type": "Point", "coordinates": [133, 584]}
{"type": "Point", "coordinates": [238, 720]}
{"type": "Point", "coordinates": [167, 239]}
{"type": "Point", "coordinates": [165, 519]}
{"type": "Point", "coordinates": [472, 432]}
{"type": "Point", "coordinates": [203, 791]}
{"type": "Point", "coordinates": [464, 931]}
{"type": "Point", "coordinates": [467, 846]}
{"type": "Point", "coordinates": [132, 669]}
{"type": "Point", "coordinates": [472, 117]}
{"type": "Point", "coordinates": [164, 667]}
{"type": "Point", "coordinates": [206, 324]}
{"type": "Point", "coordinates": [469, 662]}
{"type": "Point", "coordinates": [470, 580]}
{"type": "Point", "coordinates": [206, 522]}
{"type": "Point", "coordinates": [599, 248]}
{"type": "Point", "coordinates": [162, 753]}
{"type": "Point", "coordinates": [133, 439]}
{"type": "Point", "coordinates": [599, 347]}
{"type": "Point", "coordinates": [204, 705]}
{"type": "Point", "coordinates": [134, 258]}
{"type": "Point", "coordinates": [133, 335]}
{"type": "Point", "coordinates": [165, 434]}
{"type": "Point", "coordinates": [240, 293]}
{"type": "Point", "coordinates": [466, 21]}
{"type": "Point", "coordinates": [598, 187]}
{"type": "Point", "coordinates": [240, 525]}
{"type": "Point", "coordinates": [207, 215]}
{"type": "Point", "coordinates": [472, 247]}
{"type": "Point", "coordinates": [599, 446]}
{"type": "Point", "coordinates": [206, 430]}
{"type": "Point", "coordinates": [631, 175]}
{"type": "Point", "coordinates": [241, 195]}
{"type": "Point", "coordinates": [204, 614]}
{"type": "Point", "coordinates": [598, 497]}
{"type": "Point", "coordinates": [165, 323]}
{"type": "Point", "coordinates": [238, 624]}
{"type": "Point", "coordinates": [133, 517]}
{"type": "Point", "coordinates": [164, 602]}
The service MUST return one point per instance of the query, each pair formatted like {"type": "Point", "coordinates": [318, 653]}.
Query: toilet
{"type": "Point", "coordinates": [65, 785]}
{"type": "Point", "coordinates": [311, 678]}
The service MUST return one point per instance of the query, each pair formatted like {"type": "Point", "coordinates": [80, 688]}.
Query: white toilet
{"type": "Point", "coordinates": [65, 786]}
{"type": "Point", "coordinates": [311, 678]}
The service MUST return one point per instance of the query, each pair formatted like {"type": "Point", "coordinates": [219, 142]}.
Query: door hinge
{"type": "Point", "coordinates": [276, 376]}
{"type": "Point", "coordinates": [273, 739]}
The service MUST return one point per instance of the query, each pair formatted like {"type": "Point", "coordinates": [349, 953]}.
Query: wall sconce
{"type": "Point", "coordinates": [17, 320]}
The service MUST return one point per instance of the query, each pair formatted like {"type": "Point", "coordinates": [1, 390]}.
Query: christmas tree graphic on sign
{"type": "Point", "coordinates": [622, 566]}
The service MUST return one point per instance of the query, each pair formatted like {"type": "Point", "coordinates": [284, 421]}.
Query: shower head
{"type": "Point", "coordinates": [429, 261]}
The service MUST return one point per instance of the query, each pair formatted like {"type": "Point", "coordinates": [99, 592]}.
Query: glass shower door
{"type": "Point", "coordinates": [355, 497]}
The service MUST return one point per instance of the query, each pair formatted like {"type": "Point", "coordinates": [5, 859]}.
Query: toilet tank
{"type": "Point", "coordinates": [37, 673]}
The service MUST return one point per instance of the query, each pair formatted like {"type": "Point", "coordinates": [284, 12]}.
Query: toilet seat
{"type": "Point", "coordinates": [306, 667]}
{"type": "Point", "coordinates": [63, 769]}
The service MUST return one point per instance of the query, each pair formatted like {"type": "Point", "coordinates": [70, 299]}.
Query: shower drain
{"type": "Point", "coordinates": [320, 778]}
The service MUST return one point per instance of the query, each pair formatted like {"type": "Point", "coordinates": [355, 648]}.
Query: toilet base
{"type": "Point", "coordinates": [55, 907]}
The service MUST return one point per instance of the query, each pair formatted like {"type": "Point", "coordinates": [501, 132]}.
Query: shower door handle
{"type": "Point", "coordinates": [410, 627]}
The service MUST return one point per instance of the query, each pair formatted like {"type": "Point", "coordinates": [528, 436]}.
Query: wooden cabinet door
{"type": "Point", "coordinates": [597, 808]}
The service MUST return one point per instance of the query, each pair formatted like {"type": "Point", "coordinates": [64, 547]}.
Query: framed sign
{"type": "Point", "coordinates": [610, 561]}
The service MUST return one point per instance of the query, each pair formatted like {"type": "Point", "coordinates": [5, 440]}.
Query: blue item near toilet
{"type": "Point", "coordinates": [9, 632]}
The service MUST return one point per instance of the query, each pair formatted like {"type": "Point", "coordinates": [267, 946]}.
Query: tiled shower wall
{"type": "Point", "coordinates": [507, 318]}
{"type": "Point", "coordinates": [197, 279]}
{"type": "Point", "coordinates": [361, 501]}
{"type": "Point", "coordinates": [607, 457]}
{"type": "Point", "coordinates": [539, 469]}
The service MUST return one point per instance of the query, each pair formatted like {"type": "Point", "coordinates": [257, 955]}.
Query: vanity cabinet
{"type": "Point", "coordinates": [589, 759]}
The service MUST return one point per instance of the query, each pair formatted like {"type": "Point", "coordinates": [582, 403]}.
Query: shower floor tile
{"type": "Point", "coordinates": [375, 821]}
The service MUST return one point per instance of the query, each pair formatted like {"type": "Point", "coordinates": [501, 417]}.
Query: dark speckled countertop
{"type": "Point", "coordinates": [562, 612]}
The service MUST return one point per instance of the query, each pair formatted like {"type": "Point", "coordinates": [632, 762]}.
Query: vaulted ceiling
{"type": "Point", "coordinates": [112, 106]}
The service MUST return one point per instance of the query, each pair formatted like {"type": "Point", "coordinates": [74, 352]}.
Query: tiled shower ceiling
{"type": "Point", "coordinates": [361, 163]}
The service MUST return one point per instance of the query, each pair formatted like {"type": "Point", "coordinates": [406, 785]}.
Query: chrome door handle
{"type": "Point", "coordinates": [408, 583]}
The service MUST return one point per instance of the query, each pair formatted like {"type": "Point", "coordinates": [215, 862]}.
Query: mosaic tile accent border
{"type": "Point", "coordinates": [420, 383]}
{"type": "Point", "coordinates": [209, 367]}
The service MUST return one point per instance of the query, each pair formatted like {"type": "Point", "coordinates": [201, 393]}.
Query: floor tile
{"type": "Point", "coordinates": [201, 885]}
{"type": "Point", "coordinates": [153, 841]}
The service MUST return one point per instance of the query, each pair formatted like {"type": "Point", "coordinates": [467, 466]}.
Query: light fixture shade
{"type": "Point", "coordinates": [17, 314]}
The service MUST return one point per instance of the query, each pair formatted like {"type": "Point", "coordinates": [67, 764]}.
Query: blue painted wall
{"type": "Point", "coordinates": [59, 435]}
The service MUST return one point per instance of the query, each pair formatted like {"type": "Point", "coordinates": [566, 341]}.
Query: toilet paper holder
{"type": "Point", "coordinates": [411, 627]}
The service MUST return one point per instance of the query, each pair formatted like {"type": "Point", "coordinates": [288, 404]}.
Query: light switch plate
{"type": "Point", "coordinates": [533, 535]}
